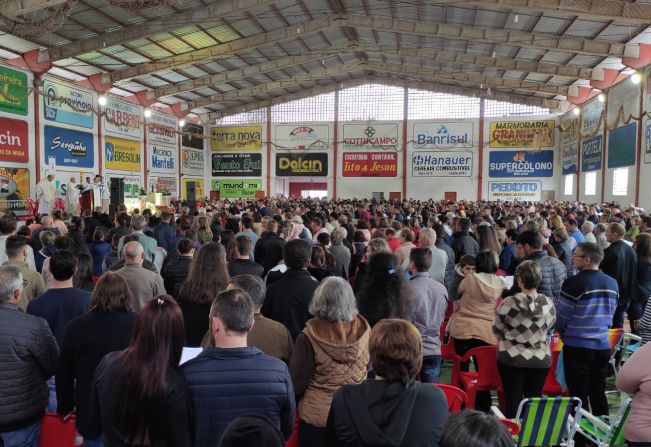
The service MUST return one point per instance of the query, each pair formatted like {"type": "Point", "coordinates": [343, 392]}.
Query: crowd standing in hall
{"type": "Point", "coordinates": [313, 317]}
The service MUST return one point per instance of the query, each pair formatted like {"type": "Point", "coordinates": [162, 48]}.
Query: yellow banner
{"type": "Point", "coordinates": [522, 134]}
{"type": "Point", "coordinates": [122, 155]}
{"type": "Point", "coordinates": [229, 138]}
{"type": "Point", "coordinates": [198, 188]}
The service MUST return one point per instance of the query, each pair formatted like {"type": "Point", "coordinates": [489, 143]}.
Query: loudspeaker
{"type": "Point", "coordinates": [117, 194]}
{"type": "Point", "coordinates": [192, 197]}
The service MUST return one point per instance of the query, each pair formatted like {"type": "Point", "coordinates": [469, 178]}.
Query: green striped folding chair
{"type": "Point", "coordinates": [546, 421]}
{"type": "Point", "coordinates": [605, 431]}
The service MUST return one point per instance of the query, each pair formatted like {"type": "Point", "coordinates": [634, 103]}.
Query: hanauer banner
{"type": "Point", "coordinates": [441, 164]}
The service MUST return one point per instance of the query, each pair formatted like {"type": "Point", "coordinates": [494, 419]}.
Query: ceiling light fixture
{"type": "Point", "coordinates": [101, 100]}
{"type": "Point", "coordinates": [182, 123]}
{"type": "Point", "coordinates": [147, 113]}
{"type": "Point", "coordinates": [602, 97]}
{"type": "Point", "coordinates": [636, 78]}
{"type": "Point", "coordinates": [577, 111]}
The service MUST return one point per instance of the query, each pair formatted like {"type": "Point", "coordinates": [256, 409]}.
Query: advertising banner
{"type": "Point", "coordinates": [370, 164]}
{"type": "Point", "coordinates": [14, 141]}
{"type": "Point", "coordinates": [237, 189]}
{"type": "Point", "coordinates": [305, 164]}
{"type": "Point", "coordinates": [522, 134]}
{"type": "Point", "coordinates": [160, 184]}
{"type": "Point", "coordinates": [569, 156]}
{"type": "Point", "coordinates": [123, 119]}
{"type": "Point", "coordinates": [511, 191]}
{"type": "Point", "coordinates": [302, 137]}
{"type": "Point", "coordinates": [591, 114]}
{"type": "Point", "coordinates": [621, 146]}
{"type": "Point", "coordinates": [162, 128]}
{"type": "Point", "coordinates": [441, 164]}
{"type": "Point", "coordinates": [131, 184]}
{"type": "Point", "coordinates": [228, 138]}
{"type": "Point", "coordinates": [162, 158]}
{"type": "Point", "coordinates": [14, 190]}
{"type": "Point", "coordinates": [443, 135]}
{"type": "Point", "coordinates": [69, 147]}
{"type": "Point", "coordinates": [122, 155]}
{"type": "Point", "coordinates": [521, 164]}
{"type": "Point", "coordinates": [13, 91]}
{"type": "Point", "coordinates": [236, 165]}
{"type": "Point", "coordinates": [591, 153]}
{"type": "Point", "coordinates": [192, 162]}
{"type": "Point", "coordinates": [370, 137]}
{"type": "Point", "coordinates": [198, 187]}
{"type": "Point", "coordinates": [192, 136]}
{"type": "Point", "coordinates": [66, 104]}
{"type": "Point", "coordinates": [647, 142]}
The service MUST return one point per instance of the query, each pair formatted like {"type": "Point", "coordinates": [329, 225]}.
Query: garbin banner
{"type": "Point", "coordinates": [521, 164]}
{"type": "Point", "coordinates": [441, 164]}
{"type": "Point", "coordinates": [522, 134]}
{"type": "Point", "coordinates": [370, 164]}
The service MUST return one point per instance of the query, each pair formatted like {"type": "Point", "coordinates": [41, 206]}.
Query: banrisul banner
{"type": "Point", "coordinates": [14, 142]}
{"type": "Point", "coordinates": [521, 164]}
{"type": "Point", "coordinates": [229, 138]}
{"type": "Point", "coordinates": [13, 91]}
{"type": "Point", "coordinates": [522, 134]}
{"type": "Point", "coordinates": [69, 147]}
{"type": "Point", "coordinates": [302, 137]}
{"type": "Point", "coordinates": [192, 136]}
{"type": "Point", "coordinates": [441, 164]}
{"type": "Point", "coordinates": [308, 164]}
{"type": "Point", "coordinates": [162, 158]}
{"type": "Point", "coordinates": [370, 137]}
{"type": "Point", "coordinates": [621, 146]}
{"type": "Point", "coordinates": [510, 191]}
{"type": "Point", "coordinates": [192, 162]}
{"type": "Point", "coordinates": [591, 153]}
{"type": "Point", "coordinates": [370, 164]}
{"type": "Point", "coordinates": [443, 135]}
{"type": "Point", "coordinates": [123, 118]}
{"type": "Point", "coordinates": [236, 165]}
{"type": "Point", "coordinates": [237, 189]}
{"type": "Point", "coordinates": [65, 104]}
{"type": "Point", "coordinates": [162, 129]}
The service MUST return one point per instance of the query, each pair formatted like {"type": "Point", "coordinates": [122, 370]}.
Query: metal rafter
{"type": "Point", "coordinates": [14, 8]}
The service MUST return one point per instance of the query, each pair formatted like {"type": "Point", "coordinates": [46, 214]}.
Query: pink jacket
{"type": "Point", "coordinates": [635, 378]}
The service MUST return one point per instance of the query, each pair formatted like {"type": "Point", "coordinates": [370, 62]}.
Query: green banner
{"type": "Point", "coordinates": [237, 189]}
{"type": "Point", "coordinates": [13, 91]}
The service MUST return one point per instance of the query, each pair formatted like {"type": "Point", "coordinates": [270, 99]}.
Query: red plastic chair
{"type": "Point", "coordinates": [456, 397]}
{"type": "Point", "coordinates": [55, 432]}
{"type": "Point", "coordinates": [293, 438]}
{"type": "Point", "coordinates": [551, 386]}
{"type": "Point", "coordinates": [512, 426]}
{"type": "Point", "coordinates": [449, 354]}
{"type": "Point", "coordinates": [486, 378]}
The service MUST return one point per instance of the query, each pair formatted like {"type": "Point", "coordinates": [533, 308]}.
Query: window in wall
{"type": "Point", "coordinates": [501, 108]}
{"type": "Point", "coordinates": [315, 108]}
{"type": "Point", "coordinates": [431, 105]}
{"type": "Point", "coordinates": [371, 102]}
{"type": "Point", "coordinates": [620, 182]}
{"type": "Point", "coordinates": [254, 116]}
{"type": "Point", "coordinates": [569, 185]}
{"type": "Point", "coordinates": [591, 183]}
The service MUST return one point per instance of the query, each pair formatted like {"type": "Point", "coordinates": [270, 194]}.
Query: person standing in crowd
{"type": "Point", "coordinates": [246, 229]}
{"type": "Point", "coordinates": [427, 238]}
{"type": "Point", "coordinates": [98, 249]}
{"type": "Point", "coordinates": [572, 227]}
{"type": "Point", "coordinates": [643, 249]}
{"type": "Point", "coordinates": [165, 232]}
{"type": "Point", "coordinates": [243, 265]}
{"type": "Point", "coordinates": [73, 207]}
{"type": "Point", "coordinates": [269, 249]}
{"type": "Point", "coordinates": [29, 353]}
{"type": "Point", "coordinates": [633, 378]}
{"type": "Point", "coordinates": [620, 262]}
{"type": "Point", "coordinates": [8, 226]}
{"type": "Point", "coordinates": [143, 283]}
{"type": "Point", "coordinates": [138, 396]}
{"type": "Point", "coordinates": [587, 229]}
{"type": "Point", "coordinates": [508, 258]}
{"type": "Point", "coordinates": [340, 251]}
{"type": "Point", "coordinates": [46, 193]}
{"type": "Point", "coordinates": [120, 228]}
{"type": "Point", "coordinates": [406, 244]}
{"type": "Point", "coordinates": [176, 270]}
{"type": "Point", "coordinates": [148, 244]}
{"type": "Point", "coordinates": [561, 245]}
{"type": "Point", "coordinates": [33, 285]}
{"type": "Point", "coordinates": [440, 243]}
{"type": "Point", "coordinates": [464, 243]}
{"type": "Point", "coordinates": [599, 232]}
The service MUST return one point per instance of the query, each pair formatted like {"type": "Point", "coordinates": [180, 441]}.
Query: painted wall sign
{"type": "Point", "coordinates": [302, 137]}
{"type": "Point", "coordinates": [591, 114]}
{"type": "Point", "coordinates": [122, 155]}
{"type": "Point", "coordinates": [621, 146]}
{"type": "Point", "coordinates": [192, 136]}
{"type": "Point", "coordinates": [13, 91]}
{"type": "Point", "coordinates": [441, 164]}
{"type": "Point", "coordinates": [162, 158]}
{"type": "Point", "coordinates": [510, 191]}
{"type": "Point", "coordinates": [522, 134]}
{"type": "Point", "coordinates": [370, 164]}
{"type": "Point", "coordinates": [591, 153]}
{"type": "Point", "coordinates": [14, 140]}
{"type": "Point", "coordinates": [162, 128]}
{"type": "Point", "coordinates": [228, 138]}
{"type": "Point", "coordinates": [160, 184]}
{"type": "Point", "coordinates": [237, 189]}
{"type": "Point", "coordinates": [375, 137]}
{"type": "Point", "coordinates": [198, 187]}
{"type": "Point", "coordinates": [14, 190]}
{"type": "Point", "coordinates": [569, 157]}
{"type": "Point", "coordinates": [123, 119]}
{"type": "Point", "coordinates": [65, 104]}
{"type": "Point", "coordinates": [521, 164]}
{"type": "Point", "coordinates": [192, 162]}
{"type": "Point", "coordinates": [236, 165]}
{"type": "Point", "coordinates": [69, 147]}
{"type": "Point", "coordinates": [443, 135]}
{"type": "Point", "coordinates": [303, 164]}
{"type": "Point", "coordinates": [131, 184]}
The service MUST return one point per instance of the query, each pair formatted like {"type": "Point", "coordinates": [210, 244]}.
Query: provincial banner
{"type": "Point", "coordinates": [192, 162]}
{"type": "Point", "coordinates": [123, 119]}
{"type": "Point", "coordinates": [441, 164]}
{"type": "Point", "coordinates": [237, 189]}
{"type": "Point", "coordinates": [511, 191]}
{"type": "Point", "coordinates": [236, 165]}
{"type": "Point", "coordinates": [370, 164]}
{"type": "Point", "coordinates": [14, 140]}
{"type": "Point", "coordinates": [304, 164]}
{"type": "Point", "coordinates": [228, 138]}
{"type": "Point", "coordinates": [591, 153]}
{"type": "Point", "coordinates": [70, 148]}
{"type": "Point", "coordinates": [621, 146]}
{"type": "Point", "coordinates": [66, 104]}
{"type": "Point", "coordinates": [522, 134]}
{"type": "Point", "coordinates": [14, 190]}
{"type": "Point", "coordinates": [521, 164]}
{"type": "Point", "coordinates": [370, 137]}
{"type": "Point", "coordinates": [302, 137]}
{"type": "Point", "coordinates": [122, 155]}
{"type": "Point", "coordinates": [443, 135]}
{"type": "Point", "coordinates": [13, 91]}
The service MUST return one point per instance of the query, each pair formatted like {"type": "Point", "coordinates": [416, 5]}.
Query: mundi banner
{"type": "Point", "coordinates": [303, 164]}
{"type": "Point", "coordinates": [228, 138]}
{"type": "Point", "coordinates": [237, 189]}
{"type": "Point", "coordinates": [522, 134]}
{"type": "Point", "coordinates": [370, 164]}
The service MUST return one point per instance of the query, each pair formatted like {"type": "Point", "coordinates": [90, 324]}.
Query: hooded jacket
{"type": "Point", "coordinates": [553, 274]}
{"type": "Point", "coordinates": [387, 414]}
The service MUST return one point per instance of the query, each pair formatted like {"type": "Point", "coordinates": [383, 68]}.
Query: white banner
{"type": "Point", "coordinates": [302, 137]}
{"type": "Point", "coordinates": [443, 135]}
{"type": "Point", "coordinates": [192, 162]}
{"type": "Point", "coordinates": [591, 112]}
{"type": "Point", "coordinates": [162, 158]}
{"type": "Point", "coordinates": [441, 164]}
{"type": "Point", "coordinates": [371, 137]}
{"type": "Point", "coordinates": [123, 119]}
{"type": "Point", "coordinates": [162, 128]}
{"type": "Point", "coordinates": [510, 191]}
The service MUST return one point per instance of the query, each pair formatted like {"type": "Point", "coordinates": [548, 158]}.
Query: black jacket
{"type": "Point", "coordinates": [244, 267]}
{"type": "Point", "coordinates": [175, 272]}
{"type": "Point", "coordinates": [268, 251]}
{"type": "Point", "coordinates": [449, 267]}
{"type": "Point", "coordinates": [28, 353]}
{"type": "Point", "coordinates": [643, 281]}
{"type": "Point", "coordinates": [553, 274]}
{"type": "Point", "coordinates": [564, 253]}
{"type": "Point", "coordinates": [464, 244]}
{"type": "Point", "coordinates": [386, 414]}
{"type": "Point", "coordinates": [620, 262]}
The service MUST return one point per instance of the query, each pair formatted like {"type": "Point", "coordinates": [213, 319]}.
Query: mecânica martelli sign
{"type": "Point", "coordinates": [302, 164]}
{"type": "Point", "coordinates": [236, 165]}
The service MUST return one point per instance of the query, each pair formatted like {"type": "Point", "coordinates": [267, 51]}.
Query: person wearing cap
{"type": "Point", "coordinates": [46, 193]}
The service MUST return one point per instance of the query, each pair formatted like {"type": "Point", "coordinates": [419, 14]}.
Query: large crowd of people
{"type": "Point", "coordinates": [322, 319]}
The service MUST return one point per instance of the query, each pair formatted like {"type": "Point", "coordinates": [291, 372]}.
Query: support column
{"type": "Point", "coordinates": [639, 157]}
{"type": "Point", "coordinates": [405, 116]}
{"type": "Point", "coordinates": [335, 146]}
{"type": "Point", "coordinates": [603, 152]}
{"type": "Point", "coordinates": [480, 167]}
{"type": "Point", "coordinates": [579, 140]}
{"type": "Point", "coordinates": [269, 161]}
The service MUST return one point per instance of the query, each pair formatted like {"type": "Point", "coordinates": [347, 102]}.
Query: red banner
{"type": "Point", "coordinates": [370, 164]}
{"type": "Point", "coordinates": [14, 144]}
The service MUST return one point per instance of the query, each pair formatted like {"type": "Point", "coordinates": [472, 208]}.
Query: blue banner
{"type": "Point", "coordinates": [65, 104]}
{"type": "Point", "coordinates": [621, 146]}
{"type": "Point", "coordinates": [69, 147]}
{"type": "Point", "coordinates": [521, 164]}
{"type": "Point", "coordinates": [591, 153]}
{"type": "Point", "coordinates": [569, 157]}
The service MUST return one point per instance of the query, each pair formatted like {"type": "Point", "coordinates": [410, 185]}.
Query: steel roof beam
{"type": "Point", "coordinates": [14, 8]}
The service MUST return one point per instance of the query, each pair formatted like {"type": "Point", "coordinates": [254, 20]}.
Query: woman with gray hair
{"type": "Point", "coordinates": [339, 250]}
{"type": "Point", "coordinates": [330, 352]}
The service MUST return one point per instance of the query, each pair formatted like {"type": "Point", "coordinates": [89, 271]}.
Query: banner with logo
{"type": "Point", "coordinates": [443, 135]}
{"type": "Point", "coordinates": [237, 189]}
{"type": "Point", "coordinates": [14, 140]}
{"type": "Point", "coordinates": [192, 136]}
{"type": "Point", "coordinates": [236, 165]}
{"type": "Point", "coordinates": [304, 164]}
{"type": "Point", "coordinates": [66, 104]}
{"type": "Point", "coordinates": [370, 137]}
{"type": "Point", "coordinates": [521, 164]}
{"type": "Point", "coordinates": [162, 158]}
{"type": "Point", "coordinates": [198, 187]}
{"type": "Point", "coordinates": [441, 164]}
{"type": "Point", "coordinates": [591, 114]}
{"type": "Point", "coordinates": [13, 91]}
{"type": "Point", "coordinates": [591, 153]}
{"type": "Point", "coordinates": [228, 138]}
{"type": "Point", "coordinates": [621, 146]}
{"type": "Point", "coordinates": [162, 128]}
{"type": "Point", "coordinates": [122, 155]}
{"type": "Point", "coordinates": [14, 190]}
{"type": "Point", "coordinates": [69, 147]}
{"type": "Point", "coordinates": [647, 142]}
{"type": "Point", "coordinates": [569, 157]}
{"type": "Point", "coordinates": [123, 119]}
{"type": "Point", "coordinates": [160, 184]}
{"type": "Point", "coordinates": [192, 162]}
{"type": "Point", "coordinates": [302, 137]}
{"type": "Point", "coordinates": [569, 136]}
{"type": "Point", "coordinates": [370, 164]}
{"type": "Point", "coordinates": [131, 183]}
{"type": "Point", "coordinates": [512, 191]}
{"type": "Point", "coordinates": [522, 134]}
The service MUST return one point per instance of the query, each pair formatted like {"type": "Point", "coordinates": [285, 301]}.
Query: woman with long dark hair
{"type": "Point", "coordinates": [83, 278]}
{"type": "Point", "coordinates": [640, 308]}
{"type": "Point", "coordinates": [208, 276]}
{"type": "Point", "coordinates": [139, 397]}
{"type": "Point", "coordinates": [227, 239]}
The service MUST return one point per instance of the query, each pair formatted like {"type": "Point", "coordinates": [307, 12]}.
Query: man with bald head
{"type": "Point", "coordinates": [144, 284]}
